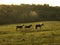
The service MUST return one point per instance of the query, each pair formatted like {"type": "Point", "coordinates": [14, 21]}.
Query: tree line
{"type": "Point", "coordinates": [28, 13]}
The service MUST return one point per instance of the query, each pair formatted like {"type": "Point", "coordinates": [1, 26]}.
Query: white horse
{"type": "Point", "coordinates": [19, 27]}
{"type": "Point", "coordinates": [38, 25]}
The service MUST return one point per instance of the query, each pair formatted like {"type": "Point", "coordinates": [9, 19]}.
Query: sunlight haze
{"type": "Point", "coordinates": [18, 2]}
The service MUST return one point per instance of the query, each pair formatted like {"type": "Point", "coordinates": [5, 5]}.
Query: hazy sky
{"type": "Point", "coordinates": [50, 2]}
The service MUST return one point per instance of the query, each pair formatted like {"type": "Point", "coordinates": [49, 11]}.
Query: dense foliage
{"type": "Point", "coordinates": [28, 13]}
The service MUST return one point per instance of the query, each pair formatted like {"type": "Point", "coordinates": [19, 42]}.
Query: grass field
{"type": "Point", "coordinates": [49, 34]}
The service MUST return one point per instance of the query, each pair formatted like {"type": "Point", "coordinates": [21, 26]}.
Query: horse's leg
{"type": "Point", "coordinates": [40, 26]}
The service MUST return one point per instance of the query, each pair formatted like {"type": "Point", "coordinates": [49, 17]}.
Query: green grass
{"type": "Point", "coordinates": [49, 34]}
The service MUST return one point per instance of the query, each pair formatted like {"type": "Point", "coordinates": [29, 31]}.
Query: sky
{"type": "Point", "coordinates": [18, 2]}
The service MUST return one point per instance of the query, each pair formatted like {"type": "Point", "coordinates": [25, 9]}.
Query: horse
{"type": "Point", "coordinates": [20, 27]}
{"type": "Point", "coordinates": [28, 26]}
{"type": "Point", "coordinates": [38, 25]}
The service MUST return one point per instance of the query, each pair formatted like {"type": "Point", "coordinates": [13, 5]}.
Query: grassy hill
{"type": "Point", "coordinates": [49, 34]}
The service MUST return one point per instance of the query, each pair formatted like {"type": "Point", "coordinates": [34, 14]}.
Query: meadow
{"type": "Point", "coordinates": [49, 34]}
